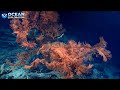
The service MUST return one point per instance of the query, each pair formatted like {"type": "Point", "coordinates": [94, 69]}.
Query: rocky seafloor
{"type": "Point", "coordinates": [99, 71]}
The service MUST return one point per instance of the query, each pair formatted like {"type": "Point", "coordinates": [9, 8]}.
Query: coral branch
{"type": "Point", "coordinates": [47, 16]}
{"type": "Point", "coordinates": [100, 47]}
{"type": "Point", "coordinates": [34, 63]}
{"type": "Point", "coordinates": [28, 44]}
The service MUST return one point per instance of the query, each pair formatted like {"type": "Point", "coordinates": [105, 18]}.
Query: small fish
{"type": "Point", "coordinates": [61, 36]}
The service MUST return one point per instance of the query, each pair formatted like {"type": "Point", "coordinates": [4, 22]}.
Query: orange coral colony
{"type": "Point", "coordinates": [66, 58]}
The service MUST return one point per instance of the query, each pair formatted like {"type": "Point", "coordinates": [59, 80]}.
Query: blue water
{"type": "Point", "coordinates": [81, 26]}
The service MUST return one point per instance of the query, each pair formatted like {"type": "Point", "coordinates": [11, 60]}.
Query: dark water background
{"type": "Point", "coordinates": [81, 26]}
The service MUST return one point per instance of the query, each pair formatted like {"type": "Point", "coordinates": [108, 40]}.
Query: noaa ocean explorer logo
{"type": "Point", "coordinates": [13, 15]}
{"type": "Point", "coordinates": [4, 15]}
